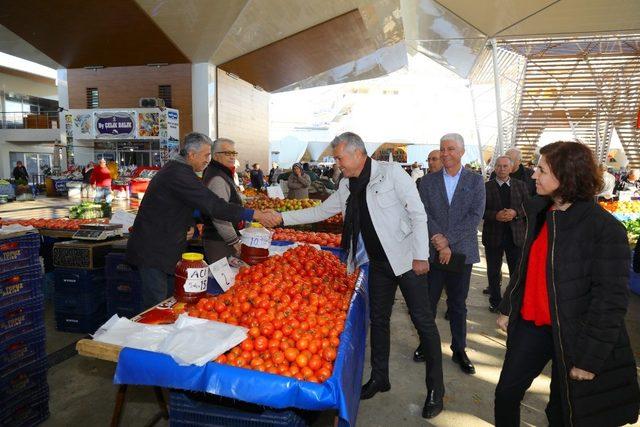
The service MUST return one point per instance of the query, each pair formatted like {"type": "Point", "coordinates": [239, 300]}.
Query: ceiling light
{"type": "Point", "coordinates": [94, 67]}
{"type": "Point", "coordinates": [158, 64]}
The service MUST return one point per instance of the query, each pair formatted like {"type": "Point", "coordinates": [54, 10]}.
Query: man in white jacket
{"type": "Point", "coordinates": [382, 210]}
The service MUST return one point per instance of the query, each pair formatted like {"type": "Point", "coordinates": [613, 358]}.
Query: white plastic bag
{"type": "Point", "coordinates": [256, 237]}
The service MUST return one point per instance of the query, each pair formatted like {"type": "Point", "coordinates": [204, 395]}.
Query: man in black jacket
{"type": "Point", "coordinates": [20, 172]}
{"type": "Point", "coordinates": [518, 171]}
{"type": "Point", "coordinates": [159, 232]}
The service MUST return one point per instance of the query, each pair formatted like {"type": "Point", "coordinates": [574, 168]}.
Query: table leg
{"type": "Point", "coordinates": [117, 410]}
{"type": "Point", "coordinates": [161, 402]}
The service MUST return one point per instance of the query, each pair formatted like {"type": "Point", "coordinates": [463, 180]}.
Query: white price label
{"type": "Point", "coordinates": [222, 273]}
{"type": "Point", "coordinates": [275, 192]}
{"type": "Point", "coordinates": [196, 280]}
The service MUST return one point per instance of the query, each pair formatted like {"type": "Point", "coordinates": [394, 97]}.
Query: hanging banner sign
{"type": "Point", "coordinates": [115, 125]}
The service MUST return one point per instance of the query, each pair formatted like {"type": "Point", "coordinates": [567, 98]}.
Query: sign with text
{"type": "Point", "coordinates": [115, 125]}
{"type": "Point", "coordinates": [196, 280]}
{"type": "Point", "coordinates": [275, 192]}
{"type": "Point", "coordinates": [222, 273]}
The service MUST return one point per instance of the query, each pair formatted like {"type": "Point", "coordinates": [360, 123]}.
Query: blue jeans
{"type": "Point", "coordinates": [156, 286]}
{"type": "Point", "coordinates": [103, 192]}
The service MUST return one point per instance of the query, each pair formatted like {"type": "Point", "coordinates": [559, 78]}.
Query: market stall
{"type": "Point", "coordinates": [339, 390]}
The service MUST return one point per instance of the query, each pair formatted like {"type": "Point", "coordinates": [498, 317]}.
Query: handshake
{"type": "Point", "coordinates": [267, 217]}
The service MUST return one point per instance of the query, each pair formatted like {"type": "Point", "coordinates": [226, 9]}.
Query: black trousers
{"type": "Point", "coordinates": [529, 349]}
{"type": "Point", "coordinates": [382, 289]}
{"type": "Point", "coordinates": [457, 288]}
{"type": "Point", "coordinates": [494, 265]}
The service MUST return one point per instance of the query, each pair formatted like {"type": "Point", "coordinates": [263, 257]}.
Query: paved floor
{"type": "Point", "coordinates": [82, 390]}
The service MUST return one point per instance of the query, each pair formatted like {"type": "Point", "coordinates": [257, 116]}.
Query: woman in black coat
{"type": "Point", "coordinates": [567, 301]}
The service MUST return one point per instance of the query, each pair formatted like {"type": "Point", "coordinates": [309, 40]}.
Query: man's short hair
{"type": "Point", "coordinates": [193, 142]}
{"type": "Point", "coordinates": [218, 143]}
{"type": "Point", "coordinates": [455, 137]}
{"type": "Point", "coordinates": [517, 154]}
{"type": "Point", "coordinates": [505, 157]}
{"type": "Point", "coordinates": [352, 142]}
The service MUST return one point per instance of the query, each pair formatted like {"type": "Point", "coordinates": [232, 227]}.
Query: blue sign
{"type": "Point", "coordinates": [173, 115]}
{"type": "Point", "coordinates": [115, 124]}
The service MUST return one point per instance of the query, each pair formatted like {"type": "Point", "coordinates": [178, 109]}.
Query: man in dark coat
{"type": "Point", "coordinates": [257, 177]}
{"type": "Point", "coordinates": [159, 232]}
{"type": "Point", "coordinates": [503, 228]}
{"type": "Point", "coordinates": [518, 171]}
{"type": "Point", "coordinates": [20, 172]}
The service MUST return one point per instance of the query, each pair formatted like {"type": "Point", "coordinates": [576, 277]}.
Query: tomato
{"type": "Point", "coordinates": [261, 343]}
{"type": "Point", "coordinates": [291, 354]}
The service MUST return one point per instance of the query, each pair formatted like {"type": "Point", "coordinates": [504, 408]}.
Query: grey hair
{"type": "Point", "coordinates": [193, 142]}
{"type": "Point", "coordinates": [455, 137]}
{"type": "Point", "coordinates": [218, 142]}
{"type": "Point", "coordinates": [352, 142]}
{"type": "Point", "coordinates": [516, 151]}
{"type": "Point", "coordinates": [504, 157]}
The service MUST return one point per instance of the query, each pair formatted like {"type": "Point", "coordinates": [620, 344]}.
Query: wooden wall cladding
{"type": "Point", "coordinates": [122, 87]}
{"type": "Point", "coordinates": [80, 33]}
{"type": "Point", "coordinates": [305, 54]}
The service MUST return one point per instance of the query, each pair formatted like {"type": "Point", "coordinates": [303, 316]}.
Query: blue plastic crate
{"type": "Point", "coordinates": [123, 297]}
{"type": "Point", "coordinates": [20, 380]}
{"type": "Point", "coordinates": [27, 411]}
{"type": "Point", "coordinates": [202, 409]}
{"type": "Point", "coordinates": [79, 302]}
{"type": "Point", "coordinates": [19, 252]}
{"type": "Point", "coordinates": [80, 323]}
{"type": "Point", "coordinates": [23, 348]}
{"type": "Point", "coordinates": [21, 285]}
{"type": "Point", "coordinates": [78, 280]}
{"type": "Point", "coordinates": [20, 318]}
{"type": "Point", "coordinates": [117, 268]}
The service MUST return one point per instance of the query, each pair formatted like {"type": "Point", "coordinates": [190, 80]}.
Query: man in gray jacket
{"type": "Point", "coordinates": [383, 213]}
{"type": "Point", "coordinates": [454, 200]}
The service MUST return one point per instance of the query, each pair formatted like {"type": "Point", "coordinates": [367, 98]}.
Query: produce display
{"type": "Point", "coordinates": [53, 224]}
{"type": "Point", "coordinates": [323, 239]}
{"type": "Point", "coordinates": [281, 205]}
{"type": "Point", "coordinates": [89, 210]}
{"type": "Point", "coordinates": [630, 207]}
{"type": "Point", "coordinates": [251, 192]}
{"type": "Point", "coordinates": [633, 230]}
{"type": "Point", "coordinates": [294, 305]}
{"type": "Point", "coordinates": [336, 219]}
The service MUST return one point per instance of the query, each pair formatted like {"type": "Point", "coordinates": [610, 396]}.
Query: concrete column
{"type": "Point", "coordinates": [204, 98]}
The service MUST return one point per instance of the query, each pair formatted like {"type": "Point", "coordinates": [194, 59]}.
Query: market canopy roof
{"type": "Point", "coordinates": [279, 44]}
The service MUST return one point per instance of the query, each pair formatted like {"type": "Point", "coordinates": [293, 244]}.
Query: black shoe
{"type": "Point", "coordinates": [432, 406]}
{"type": "Point", "coordinates": [372, 387]}
{"type": "Point", "coordinates": [493, 308]}
{"type": "Point", "coordinates": [461, 358]}
{"type": "Point", "coordinates": [446, 315]}
{"type": "Point", "coordinates": [486, 291]}
{"type": "Point", "coordinates": [418, 355]}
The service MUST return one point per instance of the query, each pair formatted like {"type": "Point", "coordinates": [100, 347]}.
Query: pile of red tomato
{"type": "Point", "coordinates": [53, 224]}
{"type": "Point", "coordinates": [323, 239]}
{"type": "Point", "coordinates": [294, 305]}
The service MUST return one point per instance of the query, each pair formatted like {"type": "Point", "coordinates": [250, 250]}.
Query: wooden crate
{"type": "Point", "coordinates": [82, 253]}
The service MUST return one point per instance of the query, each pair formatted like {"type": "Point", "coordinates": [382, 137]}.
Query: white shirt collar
{"type": "Point", "coordinates": [446, 174]}
{"type": "Point", "coordinates": [508, 181]}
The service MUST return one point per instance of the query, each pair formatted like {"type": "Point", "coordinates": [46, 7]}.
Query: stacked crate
{"type": "Point", "coordinates": [24, 393]}
{"type": "Point", "coordinates": [124, 286]}
{"type": "Point", "coordinates": [79, 299]}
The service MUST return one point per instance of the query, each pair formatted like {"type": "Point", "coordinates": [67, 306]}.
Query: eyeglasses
{"type": "Point", "coordinates": [227, 153]}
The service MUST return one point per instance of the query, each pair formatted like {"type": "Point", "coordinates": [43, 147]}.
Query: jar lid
{"type": "Point", "coordinates": [192, 256]}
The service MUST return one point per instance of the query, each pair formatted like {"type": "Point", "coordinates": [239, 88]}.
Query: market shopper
{"type": "Point", "coordinates": [101, 182]}
{"type": "Point", "coordinates": [221, 238]}
{"type": "Point", "coordinates": [568, 301]}
{"type": "Point", "coordinates": [20, 172]}
{"type": "Point", "coordinates": [503, 227]}
{"type": "Point", "coordinates": [257, 177]}
{"type": "Point", "coordinates": [454, 200]}
{"type": "Point", "coordinates": [518, 171]}
{"type": "Point", "coordinates": [434, 162]}
{"type": "Point", "coordinates": [298, 183]}
{"type": "Point", "coordinates": [159, 232]}
{"type": "Point", "coordinates": [384, 215]}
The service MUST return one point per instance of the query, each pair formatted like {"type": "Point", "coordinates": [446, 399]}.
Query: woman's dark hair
{"type": "Point", "coordinates": [575, 167]}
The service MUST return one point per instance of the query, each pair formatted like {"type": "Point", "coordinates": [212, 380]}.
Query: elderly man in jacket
{"type": "Point", "coordinates": [504, 226]}
{"type": "Point", "coordinates": [383, 213]}
{"type": "Point", "coordinates": [454, 200]}
{"type": "Point", "coordinates": [159, 232]}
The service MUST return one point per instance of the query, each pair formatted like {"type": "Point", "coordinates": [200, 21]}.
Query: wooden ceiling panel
{"type": "Point", "coordinates": [80, 33]}
{"type": "Point", "coordinates": [305, 54]}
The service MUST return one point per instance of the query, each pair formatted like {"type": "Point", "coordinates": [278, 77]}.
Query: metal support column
{"type": "Point", "coordinates": [475, 120]}
{"type": "Point", "coordinates": [496, 85]}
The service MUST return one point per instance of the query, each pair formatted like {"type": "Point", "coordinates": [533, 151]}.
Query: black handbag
{"type": "Point", "coordinates": [455, 265]}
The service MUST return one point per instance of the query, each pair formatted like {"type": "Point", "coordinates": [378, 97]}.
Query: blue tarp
{"type": "Point", "coordinates": [340, 392]}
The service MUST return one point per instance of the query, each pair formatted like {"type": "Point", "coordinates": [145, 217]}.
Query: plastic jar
{"type": "Point", "coordinates": [190, 283]}
{"type": "Point", "coordinates": [255, 243]}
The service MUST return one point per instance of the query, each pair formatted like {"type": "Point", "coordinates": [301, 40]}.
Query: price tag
{"type": "Point", "coordinates": [625, 196]}
{"type": "Point", "coordinates": [196, 280]}
{"type": "Point", "coordinates": [222, 273]}
{"type": "Point", "coordinates": [275, 192]}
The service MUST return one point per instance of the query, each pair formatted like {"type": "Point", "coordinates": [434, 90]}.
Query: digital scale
{"type": "Point", "coordinates": [98, 231]}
